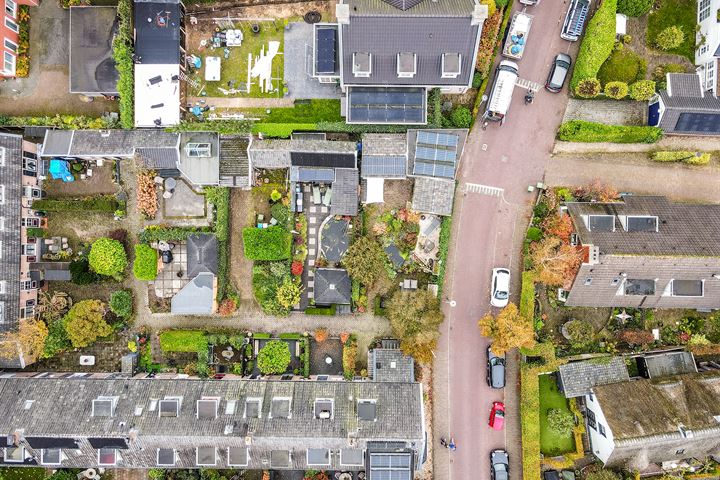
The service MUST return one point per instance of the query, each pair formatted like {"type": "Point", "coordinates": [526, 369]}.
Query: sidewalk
{"type": "Point", "coordinates": [673, 142]}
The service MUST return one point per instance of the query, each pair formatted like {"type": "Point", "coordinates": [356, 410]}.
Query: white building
{"type": "Point", "coordinates": [707, 52]}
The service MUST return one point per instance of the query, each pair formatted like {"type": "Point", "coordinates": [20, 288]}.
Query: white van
{"type": "Point", "coordinates": [506, 76]}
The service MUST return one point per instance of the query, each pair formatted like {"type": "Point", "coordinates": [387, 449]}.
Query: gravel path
{"type": "Point", "coordinates": [673, 142]}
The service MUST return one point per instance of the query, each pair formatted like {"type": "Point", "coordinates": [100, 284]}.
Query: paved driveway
{"type": "Point", "coordinates": [488, 232]}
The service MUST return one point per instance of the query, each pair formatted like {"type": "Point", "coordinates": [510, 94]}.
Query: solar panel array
{"type": "Point", "coordinates": [436, 154]}
{"type": "Point", "coordinates": [302, 174]}
{"type": "Point", "coordinates": [326, 53]}
{"type": "Point", "coordinates": [386, 105]}
{"type": "Point", "coordinates": [390, 466]}
{"type": "Point", "coordinates": [390, 166]}
{"type": "Point", "coordinates": [698, 122]}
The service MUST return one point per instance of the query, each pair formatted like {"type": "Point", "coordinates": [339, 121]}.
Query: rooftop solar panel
{"type": "Point", "coordinates": [383, 166]}
{"type": "Point", "coordinates": [326, 50]}
{"type": "Point", "coordinates": [386, 105]}
{"type": "Point", "coordinates": [698, 122]}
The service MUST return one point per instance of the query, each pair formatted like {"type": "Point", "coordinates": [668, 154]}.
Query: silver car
{"type": "Point", "coordinates": [558, 73]}
{"type": "Point", "coordinates": [500, 294]}
{"type": "Point", "coordinates": [500, 461]}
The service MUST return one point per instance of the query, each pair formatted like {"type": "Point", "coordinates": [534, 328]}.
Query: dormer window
{"type": "Point", "coordinates": [280, 407]}
{"type": "Point", "coordinates": [169, 407]}
{"type": "Point", "coordinates": [639, 287]}
{"type": "Point", "coordinates": [367, 410]}
{"type": "Point", "coordinates": [107, 456]}
{"type": "Point", "coordinates": [206, 456]}
{"type": "Point", "coordinates": [14, 454]}
{"type": "Point", "coordinates": [362, 64]}
{"type": "Point", "coordinates": [641, 223]}
{"type": "Point", "coordinates": [166, 457]}
{"type": "Point", "coordinates": [253, 408]}
{"type": "Point", "coordinates": [687, 288]}
{"type": "Point", "coordinates": [451, 65]}
{"type": "Point", "coordinates": [104, 406]}
{"type": "Point", "coordinates": [207, 408]}
{"type": "Point", "coordinates": [51, 456]}
{"type": "Point", "coordinates": [601, 223]}
{"type": "Point", "coordinates": [406, 65]}
{"type": "Point", "coordinates": [324, 408]}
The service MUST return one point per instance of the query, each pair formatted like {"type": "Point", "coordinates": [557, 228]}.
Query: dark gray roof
{"type": "Point", "coordinates": [683, 228]}
{"type": "Point", "coordinates": [202, 254]}
{"type": "Point", "coordinates": [158, 43]}
{"type": "Point", "coordinates": [204, 170]}
{"type": "Point", "coordinates": [332, 287]}
{"type": "Point", "coordinates": [638, 410]}
{"type": "Point", "coordinates": [104, 143]}
{"type": "Point", "coordinates": [345, 192]}
{"type": "Point", "coordinates": [92, 69]}
{"type": "Point", "coordinates": [428, 30]}
{"type": "Point", "coordinates": [234, 161]}
{"type": "Point", "coordinates": [277, 153]}
{"type": "Point", "coordinates": [161, 158]}
{"type": "Point", "coordinates": [10, 242]}
{"type": "Point", "coordinates": [391, 365]}
{"type": "Point", "coordinates": [578, 378]}
{"type": "Point", "coordinates": [433, 195]}
{"type": "Point", "coordinates": [606, 286]}
{"type": "Point", "coordinates": [195, 298]}
{"type": "Point", "coordinates": [384, 144]}
{"type": "Point", "coordinates": [687, 108]}
{"type": "Point", "coordinates": [669, 363]}
{"type": "Point", "coordinates": [62, 408]}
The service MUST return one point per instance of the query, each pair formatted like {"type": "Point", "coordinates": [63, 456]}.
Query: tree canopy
{"type": "Point", "coordinates": [85, 323]}
{"type": "Point", "coordinates": [508, 329]}
{"type": "Point", "coordinates": [555, 263]}
{"type": "Point", "coordinates": [274, 357]}
{"type": "Point", "coordinates": [415, 318]}
{"type": "Point", "coordinates": [107, 257]}
{"type": "Point", "coordinates": [365, 261]}
{"type": "Point", "coordinates": [30, 338]}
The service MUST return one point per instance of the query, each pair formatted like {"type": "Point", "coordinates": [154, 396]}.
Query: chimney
{"type": "Point", "coordinates": [342, 12]}
{"type": "Point", "coordinates": [480, 14]}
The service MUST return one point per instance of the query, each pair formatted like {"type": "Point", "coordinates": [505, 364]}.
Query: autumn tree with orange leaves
{"type": "Point", "coordinates": [555, 263]}
{"type": "Point", "coordinates": [30, 337]}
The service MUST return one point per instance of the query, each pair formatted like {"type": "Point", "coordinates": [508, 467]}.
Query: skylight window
{"type": "Point", "coordinates": [207, 408]}
{"type": "Point", "coordinates": [230, 407]}
{"type": "Point", "coordinates": [362, 64]}
{"type": "Point", "coordinates": [15, 454]}
{"type": "Point", "coordinates": [352, 457]}
{"type": "Point", "coordinates": [205, 456]}
{"type": "Point", "coordinates": [688, 288]}
{"type": "Point", "coordinates": [198, 150]}
{"type": "Point", "coordinates": [253, 408]}
{"type": "Point", "coordinates": [367, 410]}
{"type": "Point", "coordinates": [280, 407]}
{"type": "Point", "coordinates": [451, 65]}
{"type": "Point", "coordinates": [324, 408]}
{"type": "Point", "coordinates": [166, 457]}
{"type": "Point", "coordinates": [318, 457]}
{"type": "Point", "coordinates": [169, 407]}
{"type": "Point", "coordinates": [51, 456]}
{"type": "Point", "coordinates": [601, 223]}
{"type": "Point", "coordinates": [238, 456]}
{"type": "Point", "coordinates": [104, 406]}
{"type": "Point", "coordinates": [640, 287]}
{"type": "Point", "coordinates": [641, 223]}
{"type": "Point", "coordinates": [406, 65]}
{"type": "Point", "coordinates": [107, 456]}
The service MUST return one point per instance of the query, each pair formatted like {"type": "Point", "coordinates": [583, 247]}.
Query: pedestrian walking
{"type": "Point", "coordinates": [451, 445]}
{"type": "Point", "coordinates": [443, 442]}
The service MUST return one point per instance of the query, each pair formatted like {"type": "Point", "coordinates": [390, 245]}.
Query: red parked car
{"type": "Point", "coordinates": [497, 416]}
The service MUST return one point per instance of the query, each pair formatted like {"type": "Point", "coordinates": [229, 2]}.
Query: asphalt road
{"type": "Point", "coordinates": [488, 232]}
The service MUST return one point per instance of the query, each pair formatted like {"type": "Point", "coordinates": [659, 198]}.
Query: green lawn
{"type": "Point", "coordinates": [675, 12]}
{"type": "Point", "coordinates": [552, 444]}
{"type": "Point", "coordinates": [22, 473]}
{"type": "Point", "coordinates": [183, 341]}
{"type": "Point", "coordinates": [622, 66]}
{"type": "Point", "coordinates": [236, 66]}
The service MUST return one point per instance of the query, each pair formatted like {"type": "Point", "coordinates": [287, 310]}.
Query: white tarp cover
{"type": "Point", "coordinates": [375, 189]}
{"type": "Point", "coordinates": [620, 24]}
{"type": "Point", "coordinates": [212, 69]}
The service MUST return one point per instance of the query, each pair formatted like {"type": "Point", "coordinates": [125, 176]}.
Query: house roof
{"type": "Point", "coordinates": [440, 151]}
{"type": "Point", "coordinates": [234, 161]}
{"type": "Point", "coordinates": [433, 195]}
{"type": "Point", "coordinates": [391, 365]}
{"type": "Point", "coordinates": [62, 409]}
{"type": "Point", "coordinates": [332, 286]}
{"type": "Point", "coordinates": [345, 195]}
{"type": "Point", "coordinates": [104, 143]}
{"type": "Point", "coordinates": [160, 157]}
{"type": "Point", "coordinates": [195, 298]}
{"type": "Point", "coordinates": [278, 153]}
{"type": "Point", "coordinates": [202, 254]}
{"type": "Point", "coordinates": [682, 228]}
{"type": "Point", "coordinates": [203, 169]}
{"type": "Point", "coordinates": [11, 151]}
{"type": "Point", "coordinates": [687, 108]}
{"type": "Point", "coordinates": [427, 29]}
{"type": "Point", "coordinates": [578, 378]}
{"type": "Point", "coordinates": [157, 31]}
{"type": "Point", "coordinates": [384, 155]}
{"type": "Point", "coordinates": [644, 408]}
{"type": "Point", "coordinates": [92, 68]}
{"type": "Point", "coordinates": [604, 285]}
{"type": "Point", "coordinates": [383, 144]}
{"type": "Point", "coordinates": [669, 363]}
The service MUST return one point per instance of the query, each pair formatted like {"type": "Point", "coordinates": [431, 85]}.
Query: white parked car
{"type": "Point", "coordinates": [500, 290]}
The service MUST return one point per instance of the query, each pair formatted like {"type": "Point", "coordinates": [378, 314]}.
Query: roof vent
{"type": "Point", "coordinates": [717, 418]}
{"type": "Point", "coordinates": [248, 440]}
{"type": "Point", "coordinates": [28, 404]}
{"type": "Point", "coordinates": [228, 429]}
{"type": "Point", "coordinates": [393, 364]}
{"type": "Point", "coordinates": [331, 286]}
{"type": "Point", "coordinates": [324, 414]}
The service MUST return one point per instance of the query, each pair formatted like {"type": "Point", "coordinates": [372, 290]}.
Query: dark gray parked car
{"type": "Point", "coordinates": [500, 465]}
{"type": "Point", "coordinates": [558, 72]}
{"type": "Point", "coordinates": [495, 370]}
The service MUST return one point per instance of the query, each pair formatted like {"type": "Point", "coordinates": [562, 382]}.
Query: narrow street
{"type": "Point", "coordinates": [488, 231]}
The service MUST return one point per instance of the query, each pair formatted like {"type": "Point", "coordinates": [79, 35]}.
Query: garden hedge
{"type": "Point", "coordinates": [145, 266]}
{"type": "Point", "coordinates": [272, 243]}
{"type": "Point", "coordinates": [281, 130]}
{"type": "Point", "coordinates": [443, 247]}
{"type": "Point", "coordinates": [183, 341]}
{"type": "Point", "coordinates": [69, 122]}
{"type": "Point", "coordinates": [121, 303]}
{"type": "Point", "coordinates": [123, 56]}
{"type": "Point", "coordinates": [527, 296]}
{"type": "Point", "coordinates": [688, 157]}
{"type": "Point", "coordinates": [156, 233]}
{"type": "Point", "coordinates": [591, 132]}
{"type": "Point", "coordinates": [597, 44]}
{"type": "Point", "coordinates": [107, 257]}
{"type": "Point", "coordinates": [95, 204]}
{"type": "Point", "coordinates": [321, 310]}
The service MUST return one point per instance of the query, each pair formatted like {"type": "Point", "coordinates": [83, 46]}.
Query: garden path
{"type": "Point", "coordinates": [236, 102]}
{"type": "Point", "coordinates": [637, 28]}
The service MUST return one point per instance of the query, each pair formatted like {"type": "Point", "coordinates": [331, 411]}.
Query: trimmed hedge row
{"type": "Point", "coordinates": [591, 132]}
{"type": "Point", "coordinates": [321, 310]}
{"type": "Point", "coordinates": [281, 130]}
{"type": "Point", "coordinates": [95, 204]}
{"type": "Point", "coordinates": [156, 233]}
{"type": "Point", "coordinates": [687, 157]}
{"type": "Point", "coordinates": [145, 266]}
{"type": "Point", "coordinates": [123, 56]}
{"type": "Point", "coordinates": [527, 296]}
{"type": "Point", "coordinates": [597, 45]}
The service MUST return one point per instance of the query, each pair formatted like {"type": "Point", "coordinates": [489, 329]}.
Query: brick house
{"type": "Point", "coordinates": [10, 33]}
